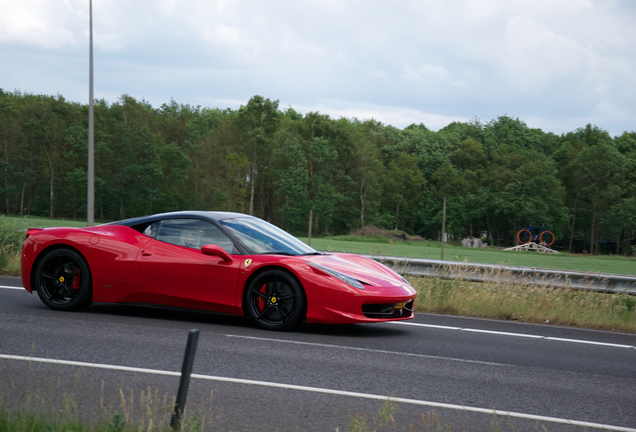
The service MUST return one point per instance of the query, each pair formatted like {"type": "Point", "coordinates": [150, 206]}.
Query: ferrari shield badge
{"type": "Point", "coordinates": [248, 262]}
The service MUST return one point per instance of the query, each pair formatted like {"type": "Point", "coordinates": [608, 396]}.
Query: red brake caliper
{"type": "Point", "coordinates": [261, 300]}
{"type": "Point", "coordinates": [76, 282]}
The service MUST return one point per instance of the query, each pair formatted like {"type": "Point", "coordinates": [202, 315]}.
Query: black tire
{"type": "Point", "coordinates": [63, 280]}
{"type": "Point", "coordinates": [275, 300]}
{"type": "Point", "coordinates": [524, 236]}
{"type": "Point", "coordinates": [546, 238]}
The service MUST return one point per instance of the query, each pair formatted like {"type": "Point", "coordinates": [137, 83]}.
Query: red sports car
{"type": "Point", "coordinates": [217, 261]}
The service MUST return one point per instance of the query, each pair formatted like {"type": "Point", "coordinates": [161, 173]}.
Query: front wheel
{"type": "Point", "coordinates": [63, 280]}
{"type": "Point", "coordinates": [275, 300]}
{"type": "Point", "coordinates": [546, 238]}
{"type": "Point", "coordinates": [524, 236]}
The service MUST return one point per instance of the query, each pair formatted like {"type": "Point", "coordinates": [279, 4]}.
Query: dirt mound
{"type": "Point", "coordinates": [373, 231]}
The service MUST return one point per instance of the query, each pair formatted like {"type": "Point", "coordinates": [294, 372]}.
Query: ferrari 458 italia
{"type": "Point", "coordinates": [216, 261]}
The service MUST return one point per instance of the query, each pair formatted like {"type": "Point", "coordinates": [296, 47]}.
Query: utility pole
{"type": "Point", "coordinates": [443, 227]}
{"type": "Point", "coordinates": [90, 201]}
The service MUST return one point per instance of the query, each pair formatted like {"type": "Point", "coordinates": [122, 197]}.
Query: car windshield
{"type": "Point", "coordinates": [261, 237]}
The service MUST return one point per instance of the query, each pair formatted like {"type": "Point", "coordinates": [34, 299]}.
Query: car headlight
{"type": "Point", "coordinates": [343, 277]}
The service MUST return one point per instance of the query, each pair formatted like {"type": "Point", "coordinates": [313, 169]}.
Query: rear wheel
{"type": "Point", "coordinates": [546, 238]}
{"type": "Point", "coordinates": [275, 300]}
{"type": "Point", "coordinates": [63, 280]}
{"type": "Point", "coordinates": [524, 236]}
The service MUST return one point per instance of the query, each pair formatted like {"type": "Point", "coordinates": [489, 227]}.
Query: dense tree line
{"type": "Point", "coordinates": [283, 166]}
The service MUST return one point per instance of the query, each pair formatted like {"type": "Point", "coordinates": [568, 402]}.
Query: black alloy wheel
{"type": "Point", "coordinates": [275, 300]}
{"type": "Point", "coordinates": [63, 280]}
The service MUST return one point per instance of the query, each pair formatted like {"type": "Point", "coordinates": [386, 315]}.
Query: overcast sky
{"type": "Point", "coordinates": [555, 64]}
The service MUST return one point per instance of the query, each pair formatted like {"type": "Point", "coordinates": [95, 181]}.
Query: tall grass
{"type": "Point", "coordinates": [82, 403]}
{"type": "Point", "coordinates": [526, 302]}
{"type": "Point", "coordinates": [12, 236]}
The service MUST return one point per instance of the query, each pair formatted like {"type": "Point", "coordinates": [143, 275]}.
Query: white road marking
{"type": "Point", "coordinates": [512, 334]}
{"type": "Point", "coordinates": [588, 342]}
{"type": "Point", "coordinates": [424, 325]}
{"type": "Point", "coordinates": [12, 287]}
{"type": "Point", "coordinates": [329, 391]}
{"type": "Point", "coordinates": [393, 353]}
{"type": "Point", "coordinates": [503, 333]}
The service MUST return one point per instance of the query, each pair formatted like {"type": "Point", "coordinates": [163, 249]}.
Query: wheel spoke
{"type": "Point", "coordinates": [262, 314]}
{"type": "Point", "coordinates": [261, 294]}
{"type": "Point", "coordinates": [283, 316]}
{"type": "Point", "coordinates": [68, 291]}
{"type": "Point", "coordinates": [48, 276]}
{"type": "Point", "coordinates": [56, 291]}
{"type": "Point", "coordinates": [279, 312]}
{"type": "Point", "coordinates": [287, 296]}
{"type": "Point", "coordinates": [275, 284]}
{"type": "Point", "coordinates": [73, 273]}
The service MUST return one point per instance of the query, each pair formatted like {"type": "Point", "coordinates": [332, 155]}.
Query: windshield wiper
{"type": "Point", "coordinates": [313, 253]}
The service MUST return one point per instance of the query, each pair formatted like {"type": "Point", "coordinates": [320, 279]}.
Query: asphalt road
{"type": "Point", "coordinates": [432, 367]}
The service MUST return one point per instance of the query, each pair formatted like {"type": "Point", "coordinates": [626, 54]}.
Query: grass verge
{"type": "Point", "coordinates": [40, 222]}
{"type": "Point", "coordinates": [51, 400]}
{"type": "Point", "coordinates": [526, 303]}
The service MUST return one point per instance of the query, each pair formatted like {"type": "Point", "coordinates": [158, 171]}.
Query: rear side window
{"type": "Point", "coordinates": [191, 233]}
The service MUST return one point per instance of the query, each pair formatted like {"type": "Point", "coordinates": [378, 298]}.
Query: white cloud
{"type": "Point", "coordinates": [378, 74]}
{"type": "Point", "coordinates": [535, 56]}
{"type": "Point", "coordinates": [393, 115]}
{"type": "Point", "coordinates": [430, 75]}
{"type": "Point", "coordinates": [44, 24]}
{"type": "Point", "coordinates": [562, 61]}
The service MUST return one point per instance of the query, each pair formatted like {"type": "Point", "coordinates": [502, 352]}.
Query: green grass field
{"type": "Point", "coordinates": [40, 222]}
{"type": "Point", "coordinates": [431, 250]}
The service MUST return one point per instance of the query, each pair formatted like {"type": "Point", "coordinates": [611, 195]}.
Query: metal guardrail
{"type": "Point", "coordinates": [601, 282]}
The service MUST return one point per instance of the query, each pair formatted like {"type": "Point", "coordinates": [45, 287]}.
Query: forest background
{"type": "Point", "coordinates": [282, 166]}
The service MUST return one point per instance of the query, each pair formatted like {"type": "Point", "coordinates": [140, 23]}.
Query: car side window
{"type": "Point", "coordinates": [152, 229]}
{"type": "Point", "coordinates": [191, 233]}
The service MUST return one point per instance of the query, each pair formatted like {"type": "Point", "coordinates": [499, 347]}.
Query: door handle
{"type": "Point", "coordinates": [145, 253]}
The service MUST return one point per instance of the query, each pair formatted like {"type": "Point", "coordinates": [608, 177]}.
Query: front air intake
{"type": "Point", "coordinates": [388, 310]}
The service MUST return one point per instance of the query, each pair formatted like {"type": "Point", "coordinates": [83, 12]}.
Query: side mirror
{"type": "Point", "coordinates": [214, 250]}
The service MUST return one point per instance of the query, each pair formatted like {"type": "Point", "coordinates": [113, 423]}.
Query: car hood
{"type": "Point", "coordinates": [364, 269]}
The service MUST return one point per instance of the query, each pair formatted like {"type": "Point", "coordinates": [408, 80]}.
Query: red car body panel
{"type": "Point", "coordinates": [186, 277]}
{"type": "Point", "coordinates": [129, 267]}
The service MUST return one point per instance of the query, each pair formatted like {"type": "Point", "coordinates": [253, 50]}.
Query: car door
{"type": "Point", "coordinates": [174, 271]}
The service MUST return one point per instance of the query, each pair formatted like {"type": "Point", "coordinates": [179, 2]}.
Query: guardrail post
{"type": "Point", "coordinates": [184, 383]}
{"type": "Point", "coordinates": [444, 228]}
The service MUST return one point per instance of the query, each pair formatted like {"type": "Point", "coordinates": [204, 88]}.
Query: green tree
{"type": "Point", "coordinates": [600, 164]}
{"type": "Point", "coordinates": [403, 187]}
{"type": "Point", "coordinates": [367, 173]}
{"type": "Point", "coordinates": [293, 181]}
{"type": "Point", "coordinates": [9, 134]}
{"type": "Point", "coordinates": [258, 121]}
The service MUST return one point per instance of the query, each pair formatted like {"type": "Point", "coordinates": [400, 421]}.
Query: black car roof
{"type": "Point", "coordinates": [209, 215]}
